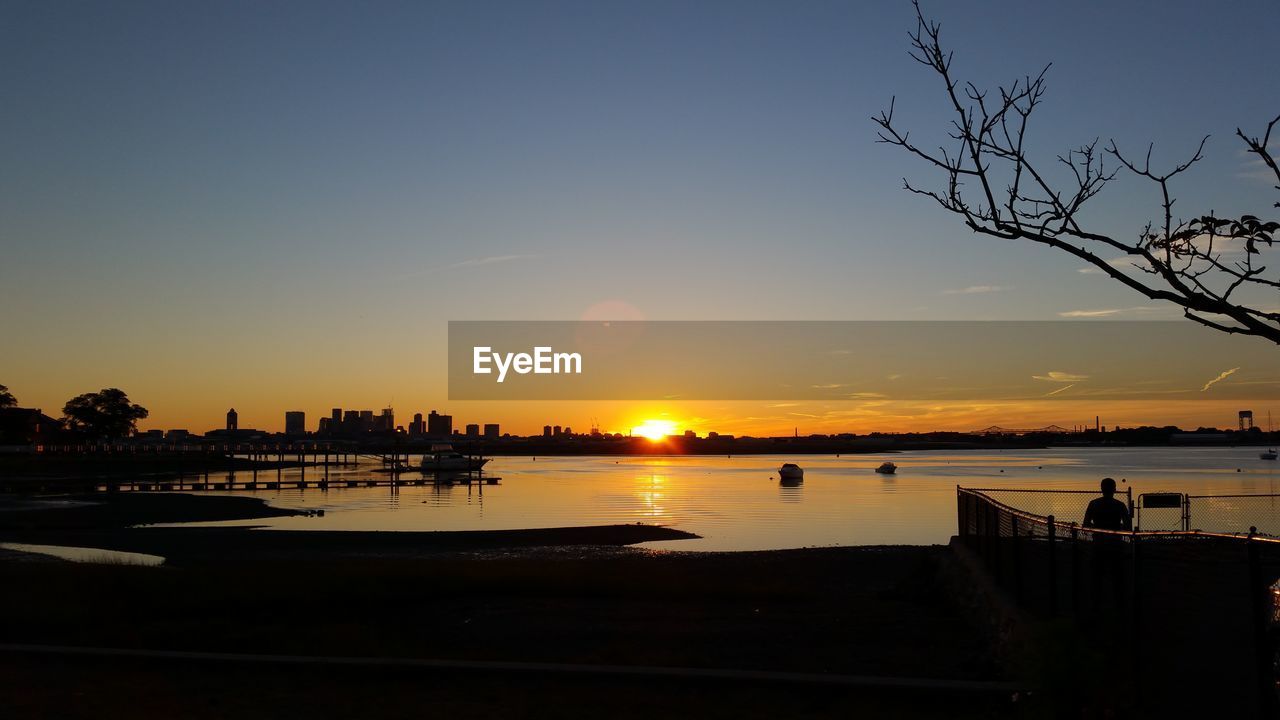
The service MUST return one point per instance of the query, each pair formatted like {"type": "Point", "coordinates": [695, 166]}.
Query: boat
{"type": "Point", "coordinates": [790, 472]}
{"type": "Point", "coordinates": [887, 468]}
{"type": "Point", "coordinates": [443, 458]}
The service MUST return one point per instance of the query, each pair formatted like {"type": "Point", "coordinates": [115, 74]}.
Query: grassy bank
{"type": "Point", "coordinates": [850, 610]}
{"type": "Point", "coordinates": [873, 611]}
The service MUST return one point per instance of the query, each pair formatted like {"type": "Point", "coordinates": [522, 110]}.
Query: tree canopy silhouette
{"type": "Point", "coordinates": [104, 414]}
{"type": "Point", "coordinates": [1210, 266]}
{"type": "Point", "coordinates": [6, 398]}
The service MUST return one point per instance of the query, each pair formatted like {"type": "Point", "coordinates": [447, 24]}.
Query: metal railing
{"type": "Point", "coordinates": [1193, 607]}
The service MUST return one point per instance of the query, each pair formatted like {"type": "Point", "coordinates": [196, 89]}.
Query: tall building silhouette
{"type": "Point", "coordinates": [233, 420]}
{"type": "Point", "coordinates": [438, 424]}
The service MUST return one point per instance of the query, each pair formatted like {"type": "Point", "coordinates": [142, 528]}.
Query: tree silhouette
{"type": "Point", "coordinates": [1210, 266]}
{"type": "Point", "coordinates": [104, 414]}
{"type": "Point", "coordinates": [6, 398]}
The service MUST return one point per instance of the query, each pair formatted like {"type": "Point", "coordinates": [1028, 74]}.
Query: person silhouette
{"type": "Point", "coordinates": [1106, 512]}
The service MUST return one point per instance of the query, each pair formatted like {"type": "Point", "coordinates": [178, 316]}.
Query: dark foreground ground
{"type": "Point", "coordinates": [98, 689]}
{"type": "Point", "coordinates": [854, 611]}
{"type": "Point", "coordinates": [555, 596]}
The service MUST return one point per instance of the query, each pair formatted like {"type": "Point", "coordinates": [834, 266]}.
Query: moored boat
{"type": "Point", "coordinates": [444, 458]}
{"type": "Point", "coordinates": [887, 468]}
{"type": "Point", "coordinates": [790, 472]}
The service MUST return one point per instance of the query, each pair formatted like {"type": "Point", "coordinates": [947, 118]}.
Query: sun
{"type": "Point", "coordinates": [654, 429]}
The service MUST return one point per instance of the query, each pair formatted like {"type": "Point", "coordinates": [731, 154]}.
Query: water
{"type": "Point", "coordinates": [737, 504]}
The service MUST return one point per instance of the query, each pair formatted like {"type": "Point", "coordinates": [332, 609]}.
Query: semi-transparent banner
{"type": "Point", "coordinates": [856, 360]}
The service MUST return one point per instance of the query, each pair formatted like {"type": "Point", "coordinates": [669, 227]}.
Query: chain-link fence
{"type": "Point", "coordinates": [1193, 609]}
{"type": "Point", "coordinates": [1065, 506]}
{"type": "Point", "coordinates": [1240, 514]}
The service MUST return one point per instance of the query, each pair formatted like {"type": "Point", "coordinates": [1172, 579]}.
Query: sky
{"type": "Point", "coordinates": [280, 205]}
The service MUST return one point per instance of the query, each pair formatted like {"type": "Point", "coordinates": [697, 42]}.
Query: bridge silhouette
{"type": "Point", "coordinates": [997, 430]}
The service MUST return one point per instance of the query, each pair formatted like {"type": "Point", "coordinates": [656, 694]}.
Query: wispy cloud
{"type": "Point", "coordinates": [1253, 168]}
{"type": "Point", "coordinates": [1106, 312]}
{"type": "Point", "coordinates": [1221, 376]}
{"type": "Point", "coordinates": [1124, 262]}
{"type": "Point", "coordinates": [828, 386]}
{"type": "Point", "coordinates": [1061, 389]}
{"type": "Point", "coordinates": [1061, 377]}
{"type": "Point", "coordinates": [490, 260]}
{"type": "Point", "coordinates": [977, 290]}
{"type": "Point", "coordinates": [470, 263]}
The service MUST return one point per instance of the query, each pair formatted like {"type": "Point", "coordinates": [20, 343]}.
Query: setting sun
{"type": "Point", "coordinates": [654, 429]}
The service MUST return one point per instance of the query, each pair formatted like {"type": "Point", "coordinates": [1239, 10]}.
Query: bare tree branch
{"type": "Point", "coordinates": [1200, 265]}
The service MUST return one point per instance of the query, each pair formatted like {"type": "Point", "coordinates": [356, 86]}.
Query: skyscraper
{"type": "Point", "coordinates": [295, 422]}
{"type": "Point", "coordinates": [438, 424]}
{"type": "Point", "coordinates": [233, 420]}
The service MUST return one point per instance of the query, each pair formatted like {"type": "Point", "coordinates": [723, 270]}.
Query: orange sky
{"type": "Point", "coordinates": [201, 409]}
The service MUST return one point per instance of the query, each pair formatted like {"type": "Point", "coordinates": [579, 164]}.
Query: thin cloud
{"type": "Point", "coordinates": [829, 386]}
{"type": "Point", "coordinates": [1061, 389]}
{"type": "Point", "coordinates": [491, 260]}
{"type": "Point", "coordinates": [1106, 312]}
{"type": "Point", "coordinates": [1061, 377]}
{"type": "Point", "coordinates": [473, 262]}
{"type": "Point", "coordinates": [1124, 262]}
{"type": "Point", "coordinates": [1222, 376]}
{"type": "Point", "coordinates": [977, 290]}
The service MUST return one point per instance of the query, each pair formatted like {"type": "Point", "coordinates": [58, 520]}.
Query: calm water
{"type": "Point", "coordinates": [737, 504]}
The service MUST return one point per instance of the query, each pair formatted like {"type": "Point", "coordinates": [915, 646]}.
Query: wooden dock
{"type": "Point", "coordinates": [229, 484]}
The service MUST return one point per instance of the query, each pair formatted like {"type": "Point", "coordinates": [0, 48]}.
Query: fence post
{"type": "Point", "coordinates": [1053, 568]}
{"type": "Point", "coordinates": [1075, 569]}
{"type": "Point", "coordinates": [1263, 665]}
{"type": "Point", "coordinates": [1186, 512]}
{"type": "Point", "coordinates": [1015, 547]}
{"type": "Point", "coordinates": [993, 540]}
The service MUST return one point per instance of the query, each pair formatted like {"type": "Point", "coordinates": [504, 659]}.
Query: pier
{"type": "Point", "coordinates": [204, 466]}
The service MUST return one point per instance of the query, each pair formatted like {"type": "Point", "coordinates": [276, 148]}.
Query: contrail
{"type": "Point", "coordinates": [1220, 378]}
{"type": "Point", "coordinates": [1055, 392]}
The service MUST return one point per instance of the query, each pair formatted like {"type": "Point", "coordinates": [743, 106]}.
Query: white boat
{"type": "Point", "coordinates": [887, 468]}
{"type": "Point", "coordinates": [790, 472]}
{"type": "Point", "coordinates": [444, 458]}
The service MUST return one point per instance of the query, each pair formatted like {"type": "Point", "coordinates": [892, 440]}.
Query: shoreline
{"type": "Point", "coordinates": [121, 522]}
{"type": "Point", "coordinates": [234, 545]}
